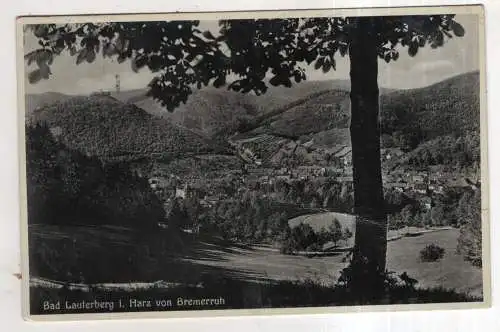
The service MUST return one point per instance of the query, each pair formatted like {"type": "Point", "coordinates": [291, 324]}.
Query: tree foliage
{"type": "Point", "coordinates": [335, 230]}
{"type": "Point", "coordinates": [184, 57]}
{"type": "Point", "coordinates": [470, 239]}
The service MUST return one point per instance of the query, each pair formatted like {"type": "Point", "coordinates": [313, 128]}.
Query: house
{"type": "Point", "coordinates": [163, 225]}
{"type": "Point", "coordinates": [180, 192]}
{"type": "Point", "coordinates": [157, 183]}
{"type": "Point", "coordinates": [283, 171]}
{"type": "Point", "coordinates": [391, 153]}
{"type": "Point", "coordinates": [458, 183]}
{"type": "Point", "coordinates": [418, 179]}
{"type": "Point", "coordinates": [334, 170]}
{"type": "Point", "coordinates": [258, 172]}
{"type": "Point", "coordinates": [439, 189]}
{"type": "Point", "coordinates": [426, 203]}
{"type": "Point", "coordinates": [184, 191]}
{"type": "Point", "coordinates": [305, 171]}
{"type": "Point", "coordinates": [56, 131]}
{"type": "Point", "coordinates": [421, 188]}
{"type": "Point", "coordinates": [308, 144]}
{"type": "Point", "coordinates": [192, 229]}
{"type": "Point", "coordinates": [398, 186]}
{"type": "Point", "coordinates": [264, 179]}
{"type": "Point", "coordinates": [343, 179]}
{"type": "Point", "coordinates": [283, 178]}
{"type": "Point", "coordinates": [343, 157]}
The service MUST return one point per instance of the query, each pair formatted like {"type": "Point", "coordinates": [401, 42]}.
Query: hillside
{"type": "Point", "coordinates": [105, 127]}
{"type": "Point", "coordinates": [324, 111]}
{"type": "Point", "coordinates": [409, 118]}
{"type": "Point", "coordinates": [213, 111]}
{"type": "Point", "coordinates": [447, 107]}
{"type": "Point", "coordinates": [34, 101]}
{"type": "Point", "coordinates": [462, 151]}
{"type": "Point", "coordinates": [450, 107]}
{"type": "Point", "coordinates": [319, 111]}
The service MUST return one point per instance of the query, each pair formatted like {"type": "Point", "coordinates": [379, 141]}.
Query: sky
{"type": "Point", "coordinates": [459, 55]}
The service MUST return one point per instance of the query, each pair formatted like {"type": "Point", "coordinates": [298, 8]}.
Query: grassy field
{"type": "Point", "coordinates": [321, 220]}
{"type": "Point", "coordinates": [452, 272]}
{"type": "Point", "coordinates": [325, 219]}
{"type": "Point", "coordinates": [111, 264]}
{"type": "Point", "coordinates": [449, 272]}
{"type": "Point", "coordinates": [70, 254]}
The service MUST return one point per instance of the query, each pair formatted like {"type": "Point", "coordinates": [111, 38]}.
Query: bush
{"type": "Point", "coordinates": [431, 253]}
{"type": "Point", "coordinates": [304, 238]}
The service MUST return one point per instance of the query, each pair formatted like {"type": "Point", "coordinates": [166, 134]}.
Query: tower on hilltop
{"type": "Point", "coordinates": [117, 83]}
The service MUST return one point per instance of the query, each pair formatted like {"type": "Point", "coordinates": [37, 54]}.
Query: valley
{"type": "Point", "coordinates": [242, 184]}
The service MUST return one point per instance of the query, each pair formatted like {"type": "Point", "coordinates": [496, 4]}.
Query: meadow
{"type": "Point", "coordinates": [93, 255]}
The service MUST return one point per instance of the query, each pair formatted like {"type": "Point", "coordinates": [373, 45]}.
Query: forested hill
{"type": "Point", "coordinates": [450, 107]}
{"type": "Point", "coordinates": [410, 116]}
{"type": "Point", "coordinates": [102, 126]}
{"type": "Point", "coordinates": [214, 111]}
{"type": "Point", "coordinates": [315, 113]}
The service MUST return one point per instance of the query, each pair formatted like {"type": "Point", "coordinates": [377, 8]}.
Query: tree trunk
{"type": "Point", "coordinates": [369, 256]}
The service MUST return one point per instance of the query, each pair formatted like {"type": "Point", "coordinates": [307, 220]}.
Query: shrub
{"type": "Point", "coordinates": [431, 253]}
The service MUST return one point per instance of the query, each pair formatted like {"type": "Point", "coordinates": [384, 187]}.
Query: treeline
{"type": "Point", "coordinates": [248, 218]}
{"type": "Point", "coordinates": [254, 219]}
{"type": "Point", "coordinates": [260, 214]}
{"type": "Point", "coordinates": [317, 193]}
{"type": "Point", "coordinates": [66, 187]}
{"type": "Point", "coordinates": [251, 219]}
{"type": "Point", "coordinates": [449, 209]}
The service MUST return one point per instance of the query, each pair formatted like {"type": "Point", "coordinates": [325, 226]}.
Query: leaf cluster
{"type": "Point", "coordinates": [242, 55]}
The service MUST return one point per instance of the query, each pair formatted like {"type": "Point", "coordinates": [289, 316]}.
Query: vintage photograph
{"type": "Point", "coordinates": [199, 162]}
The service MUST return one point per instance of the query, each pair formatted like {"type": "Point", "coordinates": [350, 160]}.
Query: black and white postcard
{"type": "Point", "coordinates": [253, 162]}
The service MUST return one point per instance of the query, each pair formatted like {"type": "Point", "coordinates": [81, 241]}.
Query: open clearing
{"type": "Point", "coordinates": [323, 219]}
